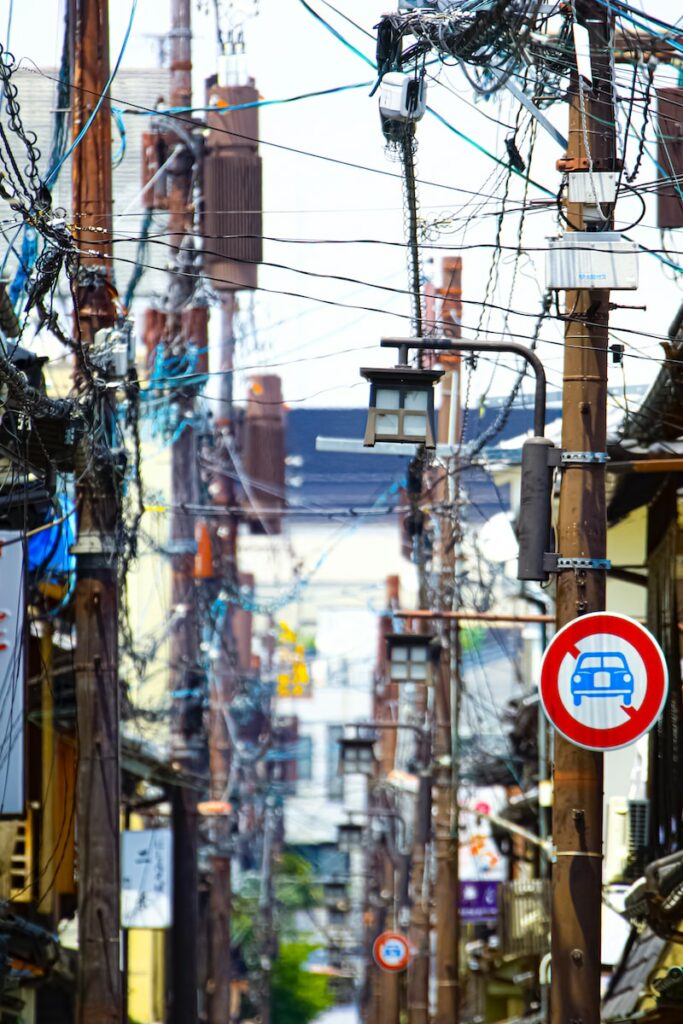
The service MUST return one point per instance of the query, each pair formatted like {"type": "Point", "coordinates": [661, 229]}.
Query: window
{"type": "Point", "coordinates": [335, 779]}
{"type": "Point", "coordinates": [304, 759]}
{"type": "Point", "coordinates": [401, 412]}
{"type": "Point", "coordinates": [409, 664]}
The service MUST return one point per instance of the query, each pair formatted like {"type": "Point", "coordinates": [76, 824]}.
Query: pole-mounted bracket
{"type": "Point", "coordinates": [552, 562]}
{"type": "Point", "coordinates": [94, 544]}
{"type": "Point", "coordinates": [583, 458]}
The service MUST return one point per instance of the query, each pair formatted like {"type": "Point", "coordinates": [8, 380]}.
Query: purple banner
{"type": "Point", "coordinates": [478, 901]}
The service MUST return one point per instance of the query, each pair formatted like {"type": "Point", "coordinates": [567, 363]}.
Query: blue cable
{"type": "Point", "coordinates": [338, 35]}
{"type": "Point", "coordinates": [247, 106]}
{"type": "Point", "coordinates": [118, 156]}
{"type": "Point", "coordinates": [100, 100]}
{"type": "Point", "coordinates": [623, 9]}
{"type": "Point", "coordinates": [486, 152]}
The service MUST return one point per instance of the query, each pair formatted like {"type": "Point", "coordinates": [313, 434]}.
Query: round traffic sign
{"type": "Point", "coordinates": [391, 951]}
{"type": "Point", "coordinates": [604, 681]}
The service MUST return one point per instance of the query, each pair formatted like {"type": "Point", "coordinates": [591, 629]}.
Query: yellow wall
{"type": "Point", "coordinates": [146, 978]}
{"type": "Point", "coordinates": [626, 545]}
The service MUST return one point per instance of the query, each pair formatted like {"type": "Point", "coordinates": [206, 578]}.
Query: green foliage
{"type": "Point", "coordinates": [298, 996]}
{"type": "Point", "coordinates": [294, 889]}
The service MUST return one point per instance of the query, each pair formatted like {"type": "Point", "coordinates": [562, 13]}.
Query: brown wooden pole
{"type": "Point", "coordinates": [188, 745]}
{"type": "Point", "coordinates": [578, 773]}
{"type": "Point", "coordinates": [99, 987]}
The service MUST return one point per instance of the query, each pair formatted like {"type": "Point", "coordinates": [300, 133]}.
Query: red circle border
{"type": "Point", "coordinates": [385, 937]}
{"type": "Point", "coordinates": [657, 686]}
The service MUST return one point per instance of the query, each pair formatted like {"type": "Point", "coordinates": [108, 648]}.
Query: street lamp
{"type": "Point", "coordinates": [349, 837]}
{"type": "Point", "coordinates": [357, 755]}
{"type": "Point", "coordinates": [334, 893]}
{"type": "Point", "coordinates": [410, 656]}
{"type": "Point", "coordinates": [401, 405]}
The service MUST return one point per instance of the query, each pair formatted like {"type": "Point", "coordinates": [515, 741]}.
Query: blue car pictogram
{"type": "Point", "coordinates": [602, 675]}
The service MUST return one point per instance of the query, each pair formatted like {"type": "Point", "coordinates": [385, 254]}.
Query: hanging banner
{"type": "Point", "coordinates": [146, 878]}
{"type": "Point", "coordinates": [12, 674]}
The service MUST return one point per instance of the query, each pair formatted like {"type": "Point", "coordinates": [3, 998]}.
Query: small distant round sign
{"type": "Point", "coordinates": [604, 681]}
{"type": "Point", "coordinates": [391, 951]}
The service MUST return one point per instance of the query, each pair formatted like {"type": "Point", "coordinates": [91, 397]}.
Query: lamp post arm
{"type": "Point", "coordinates": [457, 345]}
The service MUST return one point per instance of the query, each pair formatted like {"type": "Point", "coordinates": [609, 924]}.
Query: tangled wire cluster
{"type": "Point", "coordinates": [490, 39]}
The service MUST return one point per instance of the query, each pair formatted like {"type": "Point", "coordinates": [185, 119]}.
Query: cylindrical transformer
{"type": "Point", "coordinates": [535, 509]}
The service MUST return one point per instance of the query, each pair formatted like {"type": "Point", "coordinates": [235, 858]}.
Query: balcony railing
{"type": "Point", "coordinates": [524, 917]}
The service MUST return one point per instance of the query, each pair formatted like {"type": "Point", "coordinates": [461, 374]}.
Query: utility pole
{"type": "Point", "coordinates": [184, 641]}
{"type": "Point", "coordinates": [578, 773]}
{"type": "Point", "coordinates": [387, 985]}
{"type": "Point", "coordinates": [99, 477]}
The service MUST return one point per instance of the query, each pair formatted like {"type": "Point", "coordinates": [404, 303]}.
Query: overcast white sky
{"type": "Point", "coordinates": [289, 52]}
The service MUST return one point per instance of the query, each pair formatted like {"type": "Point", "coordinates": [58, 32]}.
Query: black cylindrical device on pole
{"type": "Point", "coordinates": [535, 508]}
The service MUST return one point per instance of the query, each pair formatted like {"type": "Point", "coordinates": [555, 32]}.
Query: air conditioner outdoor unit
{"type": "Point", "coordinates": [592, 259]}
{"type": "Point", "coordinates": [627, 833]}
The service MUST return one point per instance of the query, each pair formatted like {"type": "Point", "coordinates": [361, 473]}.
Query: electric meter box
{"type": "Point", "coordinates": [592, 259]}
{"type": "Point", "coordinates": [402, 97]}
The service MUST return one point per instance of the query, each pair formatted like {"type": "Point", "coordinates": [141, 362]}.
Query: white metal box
{"type": "Point", "coordinates": [402, 97]}
{"type": "Point", "coordinates": [592, 259]}
{"type": "Point", "coordinates": [598, 187]}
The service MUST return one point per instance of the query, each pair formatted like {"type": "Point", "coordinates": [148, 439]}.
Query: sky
{"type": "Point", "coordinates": [314, 210]}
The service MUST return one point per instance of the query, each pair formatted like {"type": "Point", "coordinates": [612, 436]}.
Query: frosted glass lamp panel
{"type": "Point", "coordinates": [419, 654]}
{"type": "Point", "coordinates": [399, 654]}
{"type": "Point", "coordinates": [399, 671]}
{"type": "Point", "coordinates": [386, 423]}
{"type": "Point", "coordinates": [418, 672]}
{"type": "Point", "coordinates": [388, 398]}
{"type": "Point", "coordinates": [415, 425]}
{"type": "Point", "coordinates": [416, 400]}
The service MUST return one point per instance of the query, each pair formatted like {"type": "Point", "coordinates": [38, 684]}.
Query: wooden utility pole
{"type": "Point", "coordinates": [220, 694]}
{"type": "Point", "coordinates": [185, 675]}
{"type": "Point", "coordinates": [578, 773]}
{"type": "Point", "coordinates": [447, 884]}
{"type": "Point", "coordinates": [418, 933]}
{"type": "Point", "coordinates": [99, 992]}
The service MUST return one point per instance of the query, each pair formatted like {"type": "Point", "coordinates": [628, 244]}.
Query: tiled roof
{"type": "Point", "coordinates": [631, 978]}
{"type": "Point", "coordinates": [326, 480]}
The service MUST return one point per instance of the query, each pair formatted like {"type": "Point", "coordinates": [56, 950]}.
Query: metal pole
{"type": "Point", "coordinates": [99, 989]}
{"type": "Point", "coordinates": [578, 773]}
{"type": "Point", "coordinates": [449, 345]}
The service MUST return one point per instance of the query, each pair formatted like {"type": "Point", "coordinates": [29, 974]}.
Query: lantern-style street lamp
{"type": "Point", "coordinates": [410, 657]}
{"type": "Point", "coordinates": [401, 405]}
{"type": "Point", "coordinates": [349, 836]}
{"type": "Point", "coordinates": [335, 893]}
{"type": "Point", "coordinates": [357, 755]}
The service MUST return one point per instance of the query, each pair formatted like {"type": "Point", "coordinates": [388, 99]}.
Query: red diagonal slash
{"type": "Point", "coordinates": [630, 710]}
